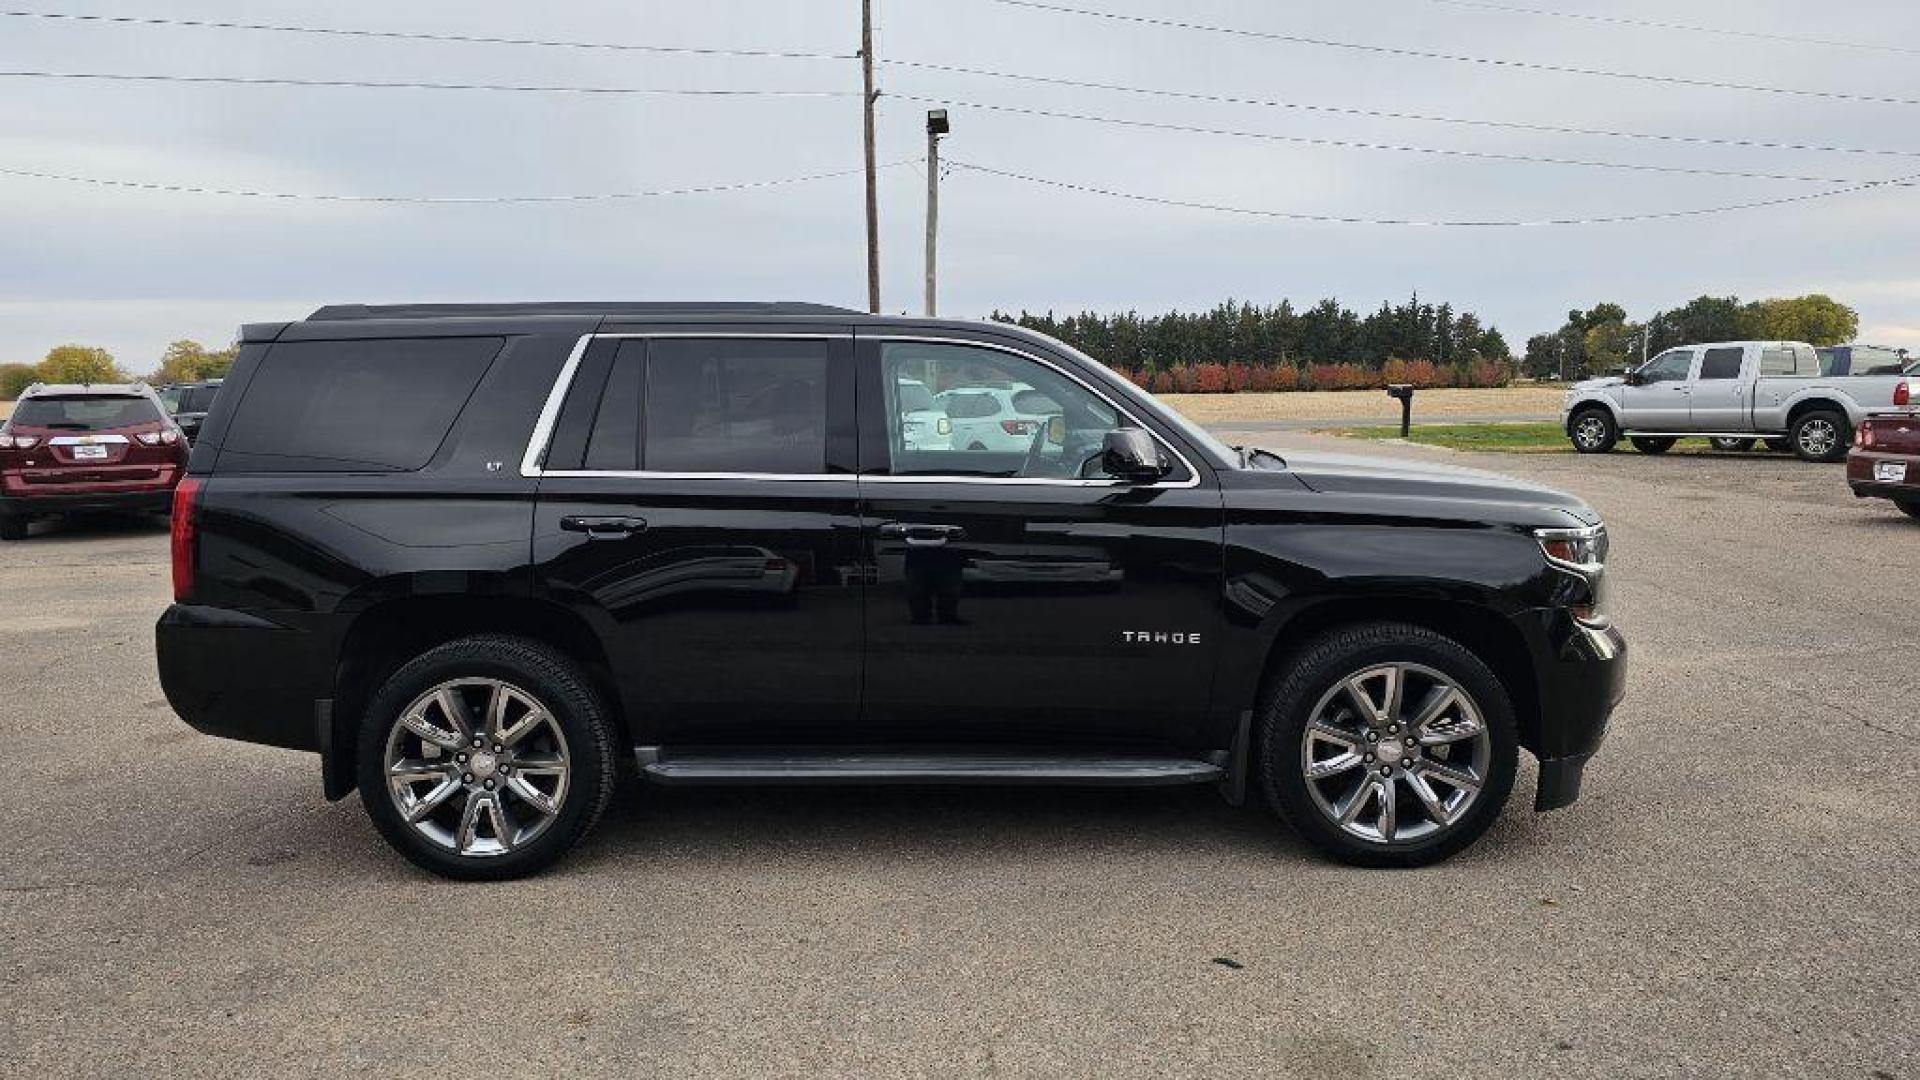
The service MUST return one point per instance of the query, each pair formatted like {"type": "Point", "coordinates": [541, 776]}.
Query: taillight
{"type": "Point", "coordinates": [1863, 435]}
{"type": "Point", "coordinates": [185, 533]}
{"type": "Point", "coordinates": [158, 438]}
{"type": "Point", "coordinates": [1018, 427]}
{"type": "Point", "coordinates": [1901, 394]}
{"type": "Point", "coordinates": [18, 442]}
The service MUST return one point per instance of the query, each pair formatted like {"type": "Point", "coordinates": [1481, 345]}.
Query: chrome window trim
{"type": "Point", "coordinates": [530, 462]}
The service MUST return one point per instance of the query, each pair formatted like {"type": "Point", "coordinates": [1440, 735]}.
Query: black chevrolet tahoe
{"type": "Point", "coordinates": [486, 559]}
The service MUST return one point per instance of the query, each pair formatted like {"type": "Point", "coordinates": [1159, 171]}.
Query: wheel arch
{"type": "Point", "coordinates": [389, 633]}
{"type": "Point", "coordinates": [1591, 401]}
{"type": "Point", "coordinates": [1815, 401]}
{"type": "Point", "coordinates": [1481, 630]}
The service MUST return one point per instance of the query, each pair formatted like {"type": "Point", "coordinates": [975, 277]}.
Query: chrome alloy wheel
{"type": "Point", "coordinates": [1591, 431]}
{"type": "Point", "coordinates": [1818, 437]}
{"type": "Point", "coordinates": [477, 766]}
{"type": "Point", "coordinates": [1387, 771]}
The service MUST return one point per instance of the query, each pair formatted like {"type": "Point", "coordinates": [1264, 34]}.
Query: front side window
{"type": "Point", "coordinates": [1668, 367]}
{"type": "Point", "coordinates": [1005, 416]}
{"type": "Point", "coordinates": [741, 405]}
{"type": "Point", "coordinates": [1721, 363]}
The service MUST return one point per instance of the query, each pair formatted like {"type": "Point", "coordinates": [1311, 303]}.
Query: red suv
{"type": "Point", "coordinates": [83, 449]}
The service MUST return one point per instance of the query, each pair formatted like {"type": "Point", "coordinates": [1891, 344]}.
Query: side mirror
{"type": "Point", "coordinates": [1634, 378]}
{"type": "Point", "coordinates": [1131, 455]}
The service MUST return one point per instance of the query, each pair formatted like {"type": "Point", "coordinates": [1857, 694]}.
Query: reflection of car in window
{"type": "Point", "coordinates": [923, 426]}
{"type": "Point", "coordinates": [996, 418]}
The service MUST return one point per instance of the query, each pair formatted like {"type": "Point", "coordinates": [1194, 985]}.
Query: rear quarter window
{"type": "Point", "coordinates": [354, 406]}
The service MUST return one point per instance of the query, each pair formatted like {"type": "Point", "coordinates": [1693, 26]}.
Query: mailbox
{"type": "Point", "coordinates": [1403, 392]}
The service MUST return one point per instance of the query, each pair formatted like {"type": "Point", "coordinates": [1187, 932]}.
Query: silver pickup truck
{"type": "Point", "coordinates": [1730, 392]}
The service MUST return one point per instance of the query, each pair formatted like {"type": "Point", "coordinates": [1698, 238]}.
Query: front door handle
{"type": "Point", "coordinates": [604, 526]}
{"type": "Point", "coordinates": [919, 535]}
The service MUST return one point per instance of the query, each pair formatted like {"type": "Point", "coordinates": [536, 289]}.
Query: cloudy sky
{"type": "Point", "coordinates": [134, 269]}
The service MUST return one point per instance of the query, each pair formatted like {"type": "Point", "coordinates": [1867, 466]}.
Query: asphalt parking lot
{"type": "Point", "coordinates": [1734, 895]}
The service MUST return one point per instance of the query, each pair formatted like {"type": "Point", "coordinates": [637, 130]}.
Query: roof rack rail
{"type": "Point", "coordinates": [338, 312]}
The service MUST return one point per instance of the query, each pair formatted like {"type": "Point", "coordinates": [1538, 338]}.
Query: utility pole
{"type": "Point", "coordinates": [936, 126]}
{"type": "Point", "coordinates": [873, 190]}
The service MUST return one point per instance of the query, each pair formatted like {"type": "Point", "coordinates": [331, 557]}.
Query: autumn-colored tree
{"type": "Point", "coordinates": [189, 361]}
{"type": "Point", "coordinates": [1815, 318]}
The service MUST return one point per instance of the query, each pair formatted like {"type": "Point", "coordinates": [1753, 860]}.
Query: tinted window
{"type": "Point", "coordinates": [742, 405]}
{"type": "Point", "coordinates": [1721, 363]}
{"type": "Point", "coordinates": [614, 442]}
{"type": "Point", "coordinates": [1776, 360]}
{"type": "Point", "coordinates": [197, 400]}
{"type": "Point", "coordinates": [91, 412]}
{"type": "Point", "coordinates": [343, 406]}
{"type": "Point", "coordinates": [1668, 366]}
{"type": "Point", "coordinates": [915, 397]}
{"type": "Point", "coordinates": [1832, 360]}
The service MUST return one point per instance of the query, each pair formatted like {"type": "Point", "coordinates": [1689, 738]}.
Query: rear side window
{"type": "Point", "coordinates": [736, 405]}
{"type": "Point", "coordinates": [1776, 360]}
{"type": "Point", "coordinates": [197, 400]}
{"type": "Point", "coordinates": [84, 412]}
{"type": "Point", "coordinates": [1721, 363]}
{"type": "Point", "coordinates": [352, 406]}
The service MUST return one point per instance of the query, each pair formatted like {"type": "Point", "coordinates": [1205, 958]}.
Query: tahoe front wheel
{"type": "Point", "coordinates": [485, 758]}
{"type": "Point", "coordinates": [1387, 744]}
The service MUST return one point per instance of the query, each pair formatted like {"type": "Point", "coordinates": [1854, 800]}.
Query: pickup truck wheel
{"type": "Point", "coordinates": [1821, 435]}
{"type": "Point", "coordinates": [1387, 744]}
{"type": "Point", "coordinates": [1732, 446]}
{"type": "Point", "coordinates": [1653, 446]}
{"type": "Point", "coordinates": [13, 527]}
{"type": "Point", "coordinates": [1593, 431]}
{"type": "Point", "coordinates": [485, 758]}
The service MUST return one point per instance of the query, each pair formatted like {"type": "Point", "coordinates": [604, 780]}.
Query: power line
{"type": "Point", "coordinates": [376, 85]}
{"type": "Point", "coordinates": [1458, 58]}
{"type": "Point", "coordinates": [1383, 114]}
{"type": "Point", "coordinates": [1400, 148]}
{"type": "Point", "coordinates": [1618, 20]}
{"type": "Point", "coordinates": [402, 35]}
{"type": "Point", "coordinates": [1341, 219]}
{"type": "Point", "coordinates": [189, 189]}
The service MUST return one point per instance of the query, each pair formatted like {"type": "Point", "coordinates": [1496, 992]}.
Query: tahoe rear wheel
{"type": "Point", "coordinates": [486, 757]}
{"type": "Point", "coordinates": [1820, 435]}
{"type": "Point", "coordinates": [1593, 431]}
{"type": "Point", "coordinates": [1387, 744]}
{"type": "Point", "coordinates": [1653, 446]}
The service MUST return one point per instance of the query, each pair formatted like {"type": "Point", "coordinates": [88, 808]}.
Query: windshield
{"type": "Point", "coordinates": [915, 397]}
{"type": "Point", "coordinates": [93, 412]}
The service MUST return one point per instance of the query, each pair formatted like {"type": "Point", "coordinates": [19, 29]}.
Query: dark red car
{"type": "Point", "coordinates": [86, 449]}
{"type": "Point", "coordinates": [1884, 462]}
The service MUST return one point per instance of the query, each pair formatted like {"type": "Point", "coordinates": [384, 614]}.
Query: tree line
{"type": "Point", "coordinates": [183, 361]}
{"type": "Point", "coordinates": [1602, 339]}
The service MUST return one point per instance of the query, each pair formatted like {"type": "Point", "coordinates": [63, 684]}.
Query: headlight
{"type": "Point", "coordinates": [1582, 551]}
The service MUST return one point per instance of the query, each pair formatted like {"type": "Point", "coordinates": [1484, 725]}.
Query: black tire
{"type": "Point", "coordinates": [566, 694]}
{"type": "Point", "coordinates": [1732, 446]}
{"type": "Point", "coordinates": [1653, 446]}
{"type": "Point", "coordinates": [1593, 431]}
{"type": "Point", "coordinates": [1821, 435]}
{"type": "Point", "coordinates": [1909, 507]}
{"type": "Point", "coordinates": [13, 527]}
{"type": "Point", "coordinates": [1779, 446]}
{"type": "Point", "coordinates": [1321, 666]}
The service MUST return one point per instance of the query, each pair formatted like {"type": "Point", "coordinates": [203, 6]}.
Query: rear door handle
{"type": "Point", "coordinates": [919, 535]}
{"type": "Point", "coordinates": [604, 526]}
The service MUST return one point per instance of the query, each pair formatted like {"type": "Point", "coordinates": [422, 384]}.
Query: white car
{"type": "Point", "coordinates": [923, 426]}
{"type": "Point", "coordinates": [1003, 419]}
